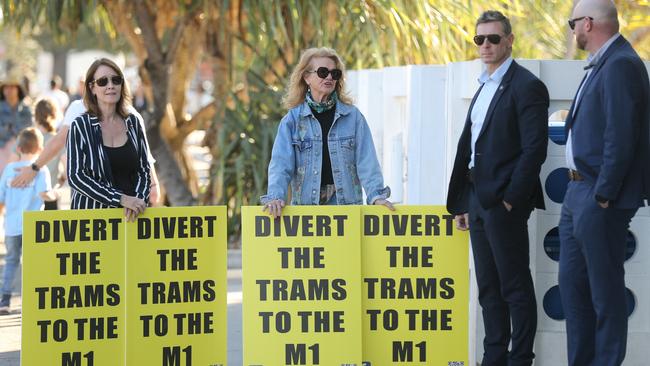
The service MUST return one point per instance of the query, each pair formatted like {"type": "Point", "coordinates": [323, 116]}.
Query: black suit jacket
{"type": "Point", "coordinates": [510, 149]}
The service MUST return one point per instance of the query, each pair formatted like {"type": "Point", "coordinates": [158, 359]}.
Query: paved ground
{"type": "Point", "coordinates": [10, 324]}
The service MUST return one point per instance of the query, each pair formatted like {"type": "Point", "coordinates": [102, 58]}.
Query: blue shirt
{"type": "Point", "coordinates": [490, 86]}
{"type": "Point", "coordinates": [19, 200]}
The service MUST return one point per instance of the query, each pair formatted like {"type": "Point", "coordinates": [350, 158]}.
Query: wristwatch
{"type": "Point", "coordinates": [35, 167]}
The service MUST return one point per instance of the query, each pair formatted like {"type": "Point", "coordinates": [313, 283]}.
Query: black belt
{"type": "Point", "coordinates": [574, 175]}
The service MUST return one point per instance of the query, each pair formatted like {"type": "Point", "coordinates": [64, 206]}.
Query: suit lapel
{"type": "Point", "coordinates": [569, 118]}
{"type": "Point", "coordinates": [465, 136]}
{"type": "Point", "coordinates": [619, 42]}
{"type": "Point", "coordinates": [505, 82]}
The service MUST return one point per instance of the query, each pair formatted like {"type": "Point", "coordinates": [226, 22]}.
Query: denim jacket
{"type": "Point", "coordinates": [298, 151]}
{"type": "Point", "coordinates": [13, 121]}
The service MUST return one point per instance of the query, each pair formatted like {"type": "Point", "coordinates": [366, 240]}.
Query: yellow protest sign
{"type": "Point", "coordinates": [176, 287]}
{"type": "Point", "coordinates": [73, 288]}
{"type": "Point", "coordinates": [415, 287]}
{"type": "Point", "coordinates": [301, 286]}
{"type": "Point", "coordinates": [100, 291]}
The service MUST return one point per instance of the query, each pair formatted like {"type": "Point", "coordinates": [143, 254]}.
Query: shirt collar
{"type": "Point", "coordinates": [498, 74]}
{"type": "Point", "coordinates": [595, 58]}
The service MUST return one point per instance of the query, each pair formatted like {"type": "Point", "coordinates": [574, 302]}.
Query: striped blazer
{"type": "Point", "coordinates": [89, 170]}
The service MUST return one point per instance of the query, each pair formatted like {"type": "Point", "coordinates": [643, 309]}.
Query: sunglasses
{"type": "Point", "coordinates": [572, 22]}
{"type": "Point", "coordinates": [492, 38]}
{"type": "Point", "coordinates": [322, 73]}
{"type": "Point", "coordinates": [103, 81]}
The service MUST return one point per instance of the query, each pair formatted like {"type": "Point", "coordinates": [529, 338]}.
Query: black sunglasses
{"type": "Point", "coordinates": [492, 38]}
{"type": "Point", "coordinates": [322, 73]}
{"type": "Point", "coordinates": [103, 81]}
{"type": "Point", "coordinates": [572, 22]}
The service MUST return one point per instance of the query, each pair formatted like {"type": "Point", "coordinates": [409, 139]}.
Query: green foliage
{"type": "Point", "coordinates": [367, 34]}
{"type": "Point", "coordinates": [244, 150]}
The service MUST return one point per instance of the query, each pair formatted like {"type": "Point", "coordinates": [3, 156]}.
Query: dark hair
{"type": "Point", "coordinates": [90, 100]}
{"type": "Point", "coordinates": [21, 91]}
{"type": "Point", "coordinates": [45, 112]}
{"type": "Point", "coordinates": [30, 140]}
{"type": "Point", "coordinates": [495, 16]}
{"type": "Point", "coordinates": [56, 81]}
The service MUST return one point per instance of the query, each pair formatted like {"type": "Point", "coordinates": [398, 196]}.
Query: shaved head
{"type": "Point", "coordinates": [603, 11]}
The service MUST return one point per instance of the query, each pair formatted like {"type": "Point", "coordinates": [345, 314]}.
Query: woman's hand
{"type": "Point", "coordinates": [387, 203]}
{"type": "Point", "coordinates": [133, 207]}
{"type": "Point", "coordinates": [274, 207]}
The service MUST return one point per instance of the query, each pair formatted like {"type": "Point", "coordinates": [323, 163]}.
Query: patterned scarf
{"type": "Point", "coordinates": [324, 106]}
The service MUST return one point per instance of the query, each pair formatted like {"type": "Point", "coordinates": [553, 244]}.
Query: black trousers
{"type": "Point", "coordinates": [505, 286]}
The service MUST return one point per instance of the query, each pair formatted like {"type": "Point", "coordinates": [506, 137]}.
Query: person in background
{"type": "Point", "coordinates": [107, 152]}
{"type": "Point", "coordinates": [15, 116]}
{"type": "Point", "coordinates": [56, 94]}
{"type": "Point", "coordinates": [17, 201]}
{"type": "Point", "coordinates": [608, 156]}
{"type": "Point", "coordinates": [78, 93]}
{"type": "Point", "coordinates": [323, 147]}
{"type": "Point", "coordinates": [494, 187]}
{"type": "Point", "coordinates": [46, 116]}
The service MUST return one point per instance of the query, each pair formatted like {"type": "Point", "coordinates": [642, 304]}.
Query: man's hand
{"type": "Point", "coordinates": [274, 207]}
{"type": "Point", "coordinates": [507, 206]}
{"type": "Point", "coordinates": [604, 204]}
{"type": "Point", "coordinates": [462, 222]}
{"type": "Point", "coordinates": [387, 203]}
{"type": "Point", "coordinates": [25, 177]}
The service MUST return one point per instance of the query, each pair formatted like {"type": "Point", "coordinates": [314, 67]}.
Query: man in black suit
{"type": "Point", "coordinates": [494, 187]}
{"type": "Point", "coordinates": [608, 157]}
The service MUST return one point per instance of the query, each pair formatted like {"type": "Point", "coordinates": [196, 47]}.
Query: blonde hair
{"type": "Point", "coordinates": [297, 87]}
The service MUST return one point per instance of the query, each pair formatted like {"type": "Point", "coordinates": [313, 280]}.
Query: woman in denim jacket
{"type": "Point", "coordinates": [324, 146]}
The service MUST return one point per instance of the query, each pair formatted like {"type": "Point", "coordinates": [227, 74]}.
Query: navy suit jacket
{"type": "Point", "coordinates": [510, 148]}
{"type": "Point", "coordinates": [609, 128]}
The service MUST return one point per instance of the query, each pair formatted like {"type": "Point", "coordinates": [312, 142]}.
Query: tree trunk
{"type": "Point", "coordinates": [60, 64]}
{"type": "Point", "coordinates": [169, 171]}
{"type": "Point", "coordinates": [147, 45]}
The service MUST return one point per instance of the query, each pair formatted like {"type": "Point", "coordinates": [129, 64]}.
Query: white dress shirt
{"type": "Point", "coordinates": [490, 84]}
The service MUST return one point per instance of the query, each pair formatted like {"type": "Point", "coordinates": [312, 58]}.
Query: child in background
{"type": "Point", "coordinates": [17, 200]}
{"type": "Point", "coordinates": [46, 117]}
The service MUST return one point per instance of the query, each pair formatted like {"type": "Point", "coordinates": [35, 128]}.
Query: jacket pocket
{"type": "Point", "coordinates": [303, 150]}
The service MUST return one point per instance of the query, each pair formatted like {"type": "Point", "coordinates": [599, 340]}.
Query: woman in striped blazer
{"type": "Point", "coordinates": [107, 151]}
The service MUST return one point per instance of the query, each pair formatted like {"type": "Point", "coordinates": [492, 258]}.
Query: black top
{"type": "Point", "coordinates": [124, 166]}
{"type": "Point", "coordinates": [326, 119]}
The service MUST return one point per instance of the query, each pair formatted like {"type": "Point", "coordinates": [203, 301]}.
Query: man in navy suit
{"type": "Point", "coordinates": [608, 157]}
{"type": "Point", "coordinates": [494, 187]}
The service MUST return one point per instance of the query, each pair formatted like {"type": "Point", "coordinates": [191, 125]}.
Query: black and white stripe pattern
{"type": "Point", "coordinates": [89, 171]}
